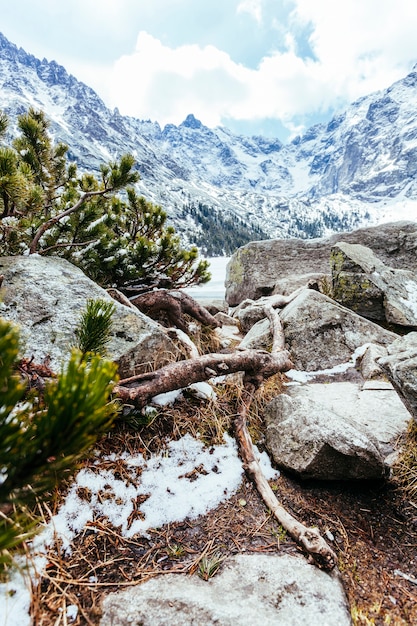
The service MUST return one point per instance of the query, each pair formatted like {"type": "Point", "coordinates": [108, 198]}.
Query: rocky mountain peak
{"type": "Point", "coordinates": [191, 122]}
{"type": "Point", "coordinates": [221, 189]}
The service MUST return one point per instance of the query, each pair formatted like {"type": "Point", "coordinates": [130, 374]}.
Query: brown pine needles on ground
{"type": "Point", "coordinates": [373, 528]}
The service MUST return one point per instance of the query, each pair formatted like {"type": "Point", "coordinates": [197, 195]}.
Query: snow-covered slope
{"type": "Point", "coordinates": [221, 189]}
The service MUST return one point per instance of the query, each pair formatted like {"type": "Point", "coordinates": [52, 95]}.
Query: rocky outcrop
{"type": "Point", "coordinates": [258, 269]}
{"type": "Point", "coordinates": [363, 283]}
{"type": "Point", "coordinates": [250, 590]}
{"type": "Point", "coordinates": [401, 367]}
{"type": "Point", "coordinates": [319, 332]}
{"type": "Point", "coordinates": [337, 431]}
{"type": "Point", "coordinates": [46, 296]}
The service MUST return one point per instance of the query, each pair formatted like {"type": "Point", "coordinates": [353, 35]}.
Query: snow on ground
{"type": "Point", "coordinates": [299, 377]}
{"type": "Point", "coordinates": [186, 480]}
{"type": "Point", "coordinates": [172, 496]}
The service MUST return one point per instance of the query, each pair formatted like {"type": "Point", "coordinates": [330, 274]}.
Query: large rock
{"type": "Point", "coordinates": [335, 431]}
{"type": "Point", "coordinates": [401, 367]}
{"type": "Point", "coordinates": [46, 296]}
{"type": "Point", "coordinates": [319, 332]}
{"type": "Point", "coordinates": [363, 283]}
{"type": "Point", "coordinates": [251, 311]}
{"type": "Point", "coordinates": [250, 590]}
{"type": "Point", "coordinates": [259, 268]}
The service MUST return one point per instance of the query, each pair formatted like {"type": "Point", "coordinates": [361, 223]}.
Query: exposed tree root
{"type": "Point", "coordinates": [174, 304]}
{"type": "Point", "coordinates": [258, 365]}
{"type": "Point", "coordinates": [309, 538]}
{"type": "Point", "coordinates": [183, 373]}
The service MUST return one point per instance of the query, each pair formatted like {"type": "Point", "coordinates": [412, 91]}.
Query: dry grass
{"type": "Point", "coordinates": [405, 469]}
{"type": "Point", "coordinates": [373, 534]}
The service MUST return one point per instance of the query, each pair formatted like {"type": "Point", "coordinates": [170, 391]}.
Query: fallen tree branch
{"type": "Point", "coordinates": [309, 538]}
{"type": "Point", "coordinates": [174, 304]}
{"type": "Point", "coordinates": [120, 297]}
{"type": "Point", "coordinates": [258, 365]}
{"type": "Point", "coordinates": [184, 373]}
{"type": "Point", "coordinates": [278, 338]}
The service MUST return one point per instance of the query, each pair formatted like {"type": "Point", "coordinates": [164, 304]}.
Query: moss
{"type": "Point", "coordinates": [347, 286]}
{"type": "Point", "coordinates": [236, 269]}
{"type": "Point", "coordinates": [337, 259]}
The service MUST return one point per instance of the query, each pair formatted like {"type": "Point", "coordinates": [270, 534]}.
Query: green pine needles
{"type": "Point", "coordinates": [43, 439]}
{"type": "Point", "coordinates": [96, 221]}
{"type": "Point", "coordinates": [93, 332]}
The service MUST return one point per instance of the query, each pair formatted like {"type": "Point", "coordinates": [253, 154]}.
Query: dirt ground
{"type": "Point", "coordinates": [372, 528]}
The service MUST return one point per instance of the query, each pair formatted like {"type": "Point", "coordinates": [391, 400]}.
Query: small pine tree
{"type": "Point", "coordinates": [98, 223]}
{"type": "Point", "coordinates": [93, 332]}
{"type": "Point", "coordinates": [43, 439]}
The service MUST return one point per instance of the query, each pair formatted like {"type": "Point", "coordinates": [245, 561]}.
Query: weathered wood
{"type": "Point", "coordinates": [258, 365]}
{"type": "Point", "coordinates": [309, 538]}
{"type": "Point", "coordinates": [178, 375]}
{"type": "Point", "coordinates": [120, 297]}
{"type": "Point", "coordinates": [174, 304]}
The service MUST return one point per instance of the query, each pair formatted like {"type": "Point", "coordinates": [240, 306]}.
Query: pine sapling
{"type": "Point", "coordinates": [93, 331]}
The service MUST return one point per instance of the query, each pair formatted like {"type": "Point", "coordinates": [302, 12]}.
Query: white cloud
{"type": "Point", "coordinates": [299, 59]}
{"type": "Point", "coordinates": [166, 84]}
{"type": "Point", "coordinates": [357, 47]}
{"type": "Point", "coordinates": [252, 7]}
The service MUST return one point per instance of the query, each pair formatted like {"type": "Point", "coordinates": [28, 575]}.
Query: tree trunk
{"type": "Point", "coordinates": [173, 304]}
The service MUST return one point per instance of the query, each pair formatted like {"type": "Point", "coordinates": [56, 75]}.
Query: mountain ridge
{"type": "Point", "coordinates": [358, 169]}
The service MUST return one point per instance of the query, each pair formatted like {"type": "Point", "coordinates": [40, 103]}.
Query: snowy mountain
{"type": "Point", "coordinates": [221, 190]}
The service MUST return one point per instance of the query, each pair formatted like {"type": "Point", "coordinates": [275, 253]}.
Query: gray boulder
{"type": "Point", "coordinates": [320, 333]}
{"type": "Point", "coordinates": [251, 311]}
{"type": "Point", "coordinates": [363, 283]}
{"type": "Point", "coordinates": [369, 365]}
{"type": "Point", "coordinates": [250, 590]}
{"type": "Point", "coordinates": [46, 296]}
{"type": "Point", "coordinates": [335, 431]}
{"type": "Point", "coordinates": [259, 268]}
{"type": "Point", "coordinates": [400, 365]}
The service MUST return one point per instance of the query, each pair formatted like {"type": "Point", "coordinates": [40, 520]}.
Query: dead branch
{"type": "Point", "coordinates": [258, 365]}
{"type": "Point", "coordinates": [309, 538]}
{"type": "Point", "coordinates": [278, 301]}
{"type": "Point", "coordinates": [183, 373]}
{"type": "Point", "coordinates": [174, 304]}
{"type": "Point", "coordinates": [120, 297]}
{"type": "Point", "coordinates": [278, 337]}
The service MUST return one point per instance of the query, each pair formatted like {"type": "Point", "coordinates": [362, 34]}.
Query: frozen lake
{"type": "Point", "coordinates": [214, 288]}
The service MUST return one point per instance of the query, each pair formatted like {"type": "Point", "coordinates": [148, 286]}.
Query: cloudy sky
{"type": "Point", "coordinates": [271, 67]}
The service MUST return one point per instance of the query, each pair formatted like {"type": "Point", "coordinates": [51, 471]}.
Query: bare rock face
{"type": "Point", "coordinates": [363, 283]}
{"type": "Point", "coordinates": [401, 367]}
{"type": "Point", "coordinates": [337, 431]}
{"type": "Point", "coordinates": [259, 268]}
{"type": "Point", "coordinates": [46, 296]}
{"type": "Point", "coordinates": [320, 333]}
{"type": "Point", "coordinates": [250, 590]}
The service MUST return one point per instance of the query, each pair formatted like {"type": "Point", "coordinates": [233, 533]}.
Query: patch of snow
{"type": "Point", "coordinates": [187, 480]}
{"type": "Point", "coordinates": [303, 377]}
{"type": "Point", "coordinates": [411, 301]}
{"type": "Point", "coordinates": [168, 398]}
{"type": "Point", "coordinates": [203, 390]}
{"type": "Point", "coordinates": [72, 612]}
